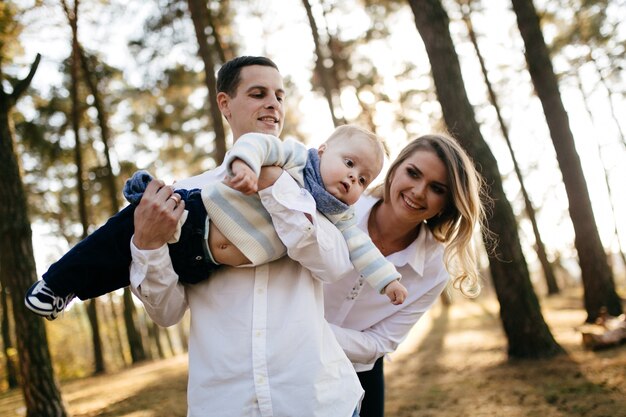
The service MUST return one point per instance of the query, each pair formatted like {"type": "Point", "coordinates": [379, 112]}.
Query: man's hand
{"type": "Point", "coordinates": [157, 215]}
{"type": "Point", "coordinates": [396, 292]}
{"type": "Point", "coordinates": [244, 179]}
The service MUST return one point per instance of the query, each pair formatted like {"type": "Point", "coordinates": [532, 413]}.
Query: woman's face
{"type": "Point", "coordinates": [418, 188]}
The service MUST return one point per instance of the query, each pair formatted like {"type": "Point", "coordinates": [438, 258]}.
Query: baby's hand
{"type": "Point", "coordinates": [244, 179]}
{"type": "Point", "coordinates": [396, 292]}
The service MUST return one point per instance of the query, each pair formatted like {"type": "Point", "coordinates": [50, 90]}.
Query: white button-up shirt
{"type": "Point", "coordinates": [366, 324]}
{"type": "Point", "coordinates": [259, 344]}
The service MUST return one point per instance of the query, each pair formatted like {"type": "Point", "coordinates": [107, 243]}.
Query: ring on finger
{"type": "Point", "coordinates": [176, 198]}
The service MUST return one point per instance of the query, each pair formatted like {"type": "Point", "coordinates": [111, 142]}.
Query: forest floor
{"type": "Point", "coordinates": [453, 364]}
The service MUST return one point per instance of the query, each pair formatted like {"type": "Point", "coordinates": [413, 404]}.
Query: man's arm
{"type": "Point", "coordinates": [316, 243]}
{"type": "Point", "coordinates": [152, 275]}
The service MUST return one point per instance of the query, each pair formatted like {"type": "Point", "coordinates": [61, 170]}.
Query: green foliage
{"type": "Point", "coordinates": [10, 29]}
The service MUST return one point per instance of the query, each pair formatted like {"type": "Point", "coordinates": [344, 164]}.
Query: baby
{"type": "Point", "coordinates": [226, 223]}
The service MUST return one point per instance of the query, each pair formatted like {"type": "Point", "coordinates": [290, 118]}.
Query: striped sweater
{"type": "Point", "coordinates": [243, 220]}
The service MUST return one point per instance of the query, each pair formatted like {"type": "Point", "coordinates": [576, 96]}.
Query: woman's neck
{"type": "Point", "coordinates": [387, 232]}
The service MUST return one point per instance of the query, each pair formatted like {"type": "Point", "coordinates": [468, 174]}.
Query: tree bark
{"type": "Point", "coordinates": [72, 18]}
{"type": "Point", "coordinates": [135, 342]}
{"type": "Point", "coordinates": [320, 67]}
{"type": "Point", "coordinates": [131, 326]}
{"type": "Point", "coordinates": [548, 272]}
{"type": "Point", "coordinates": [597, 276]}
{"type": "Point", "coordinates": [39, 386]}
{"type": "Point", "coordinates": [527, 333]}
{"type": "Point", "coordinates": [9, 357]}
{"type": "Point", "coordinates": [200, 19]}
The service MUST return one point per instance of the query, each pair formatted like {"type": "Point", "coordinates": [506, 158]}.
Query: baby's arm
{"type": "Point", "coordinates": [258, 150]}
{"type": "Point", "coordinates": [368, 260]}
{"type": "Point", "coordinates": [243, 178]}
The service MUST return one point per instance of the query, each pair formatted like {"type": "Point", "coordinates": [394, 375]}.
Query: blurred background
{"type": "Point", "coordinates": [535, 92]}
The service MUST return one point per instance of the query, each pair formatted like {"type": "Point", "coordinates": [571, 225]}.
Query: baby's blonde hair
{"type": "Point", "coordinates": [350, 131]}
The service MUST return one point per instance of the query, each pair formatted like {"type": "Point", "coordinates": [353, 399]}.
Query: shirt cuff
{"type": "Point", "coordinates": [289, 194]}
{"type": "Point", "coordinates": [142, 258]}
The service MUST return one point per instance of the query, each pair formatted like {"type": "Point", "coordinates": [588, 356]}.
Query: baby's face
{"type": "Point", "coordinates": [349, 165]}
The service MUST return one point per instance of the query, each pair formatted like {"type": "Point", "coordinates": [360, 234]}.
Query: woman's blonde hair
{"type": "Point", "coordinates": [465, 211]}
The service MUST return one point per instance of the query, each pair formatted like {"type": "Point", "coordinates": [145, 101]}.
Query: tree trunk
{"type": "Point", "coordinates": [72, 17]}
{"type": "Point", "coordinates": [548, 272]}
{"type": "Point", "coordinates": [41, 392]}
{"type": "Point", "coordinates": [198, 11]}
{"type": "Point", "coordinates": [579, 83]}
{"type": "Point", "coordinates": [597, 276]}
{"type": "Point", "coordinates": [131, 326]}
{"type": "Point", "coordinates": [117, 330]}
{"type": "Point", "coordinates": [526, 331]}
{"type": "Point", "coordinates": [9, 357]}
{"type": "Point", "coordinates": [320, 67]}
{"type": "Point", "coordinates": [137, 351]}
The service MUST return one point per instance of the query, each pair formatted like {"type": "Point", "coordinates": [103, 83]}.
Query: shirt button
{"type": "Point", "coordinates": [198, 258]}
{"type": "Point", "coordinates": [259, 291]}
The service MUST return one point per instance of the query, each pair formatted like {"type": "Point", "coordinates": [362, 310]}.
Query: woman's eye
{"type": "Point", "coordinates": [438, 190]}
{"type": "Point", "coordinates": [412, 173]}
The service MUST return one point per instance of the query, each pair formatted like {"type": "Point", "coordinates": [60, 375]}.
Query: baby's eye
{"type": "Point", "coordinates": [349, 163]}
{"type": "Point", "coordinates": [362, 180]}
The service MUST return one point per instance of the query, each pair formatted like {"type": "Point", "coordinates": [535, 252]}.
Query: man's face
{"type": "Point", "coordinates": [257, 105]}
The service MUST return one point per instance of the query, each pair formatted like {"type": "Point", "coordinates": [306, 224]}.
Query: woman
{"type": "Point", "coordinates": [422, 219]}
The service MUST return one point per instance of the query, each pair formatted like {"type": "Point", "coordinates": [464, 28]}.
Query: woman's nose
{"type": "Point", "coordinates": [419, 190]}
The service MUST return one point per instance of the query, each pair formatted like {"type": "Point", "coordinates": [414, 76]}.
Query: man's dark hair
{"type": "Point", "coordinates": [228, 77]}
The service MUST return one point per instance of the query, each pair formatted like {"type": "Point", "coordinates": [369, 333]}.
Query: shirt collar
{"type": "Point", "coordinates": [413, 255]}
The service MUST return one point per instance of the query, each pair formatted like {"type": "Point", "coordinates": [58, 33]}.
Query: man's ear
{"type": "Point", "coordinates": [321, 149]}
{"type": "Point", "coordinates": [223, 102]}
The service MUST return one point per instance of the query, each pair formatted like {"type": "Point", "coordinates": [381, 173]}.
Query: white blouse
{"type": "Point", "coordinates": [258, 344]}
{"type": "Point", "coordinates": [365, 323]}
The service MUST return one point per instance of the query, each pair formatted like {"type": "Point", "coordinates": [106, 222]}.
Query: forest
{"type": "Point", "coordinates": [533, 90]}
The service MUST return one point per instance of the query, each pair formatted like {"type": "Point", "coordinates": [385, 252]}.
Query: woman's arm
{"type": "Point", "coordinates": [364, 347]}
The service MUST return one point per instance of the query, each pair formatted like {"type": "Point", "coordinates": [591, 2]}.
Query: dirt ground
{"type": "Point", "coordinates": [453, 364]}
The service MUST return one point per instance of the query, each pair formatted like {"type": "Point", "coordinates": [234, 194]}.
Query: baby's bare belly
{"type": "Point", "coordinates": [223, 251]}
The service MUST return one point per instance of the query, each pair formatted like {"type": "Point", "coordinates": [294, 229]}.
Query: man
{"type": "Point", "coordinates": [259, 344]}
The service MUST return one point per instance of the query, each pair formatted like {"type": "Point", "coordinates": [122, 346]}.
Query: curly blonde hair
{"type": "Point", "coordinates": [465, 211]}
